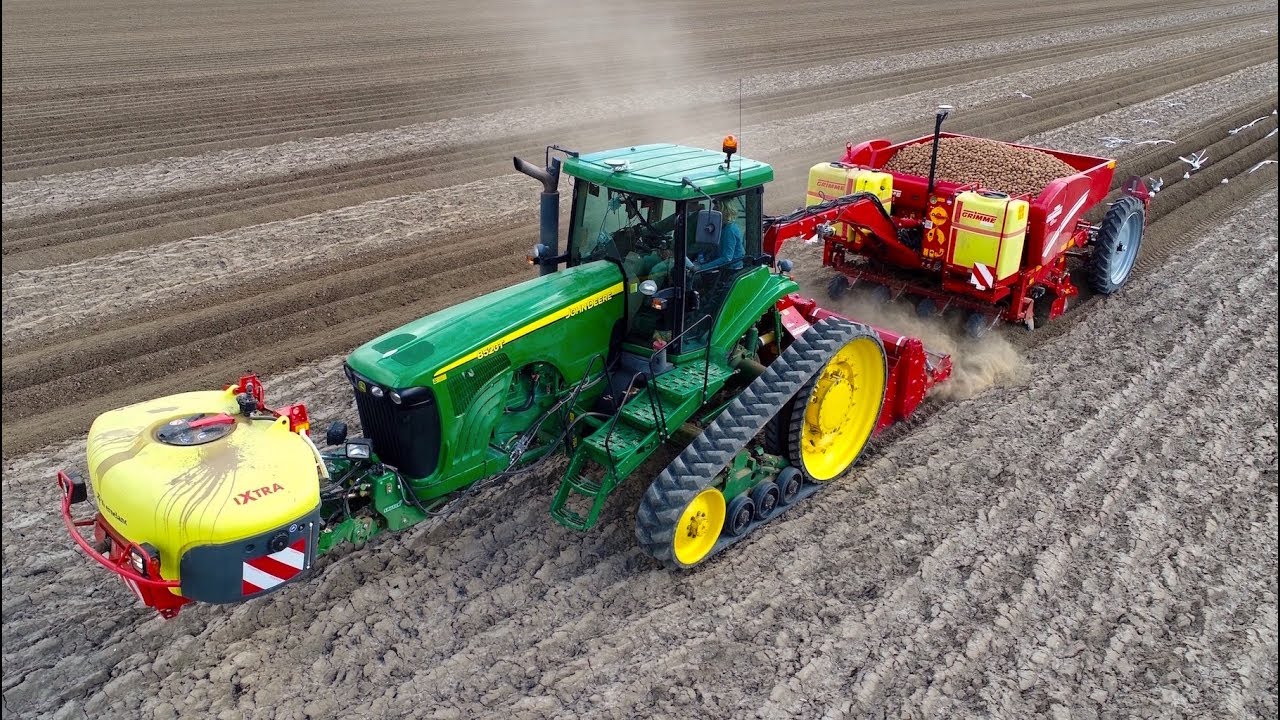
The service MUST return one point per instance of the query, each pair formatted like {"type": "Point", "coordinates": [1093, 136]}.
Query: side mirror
{"type": "Point", "coordinates": [710, 222]}
{"type": "Point", "coordinates": [336, 434]}
{"type": "Point", "coordinates": [539, 253]}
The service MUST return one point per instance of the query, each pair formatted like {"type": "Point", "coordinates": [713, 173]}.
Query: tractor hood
{"type": "Point", "coordinates": [424, 351]}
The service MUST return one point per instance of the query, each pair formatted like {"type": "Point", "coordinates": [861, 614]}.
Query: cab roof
{"type": "Point", "coordinates": [658, 169]}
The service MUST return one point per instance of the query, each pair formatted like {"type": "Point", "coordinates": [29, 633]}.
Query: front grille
{"type": "Point", "coordinates": [407, 438]}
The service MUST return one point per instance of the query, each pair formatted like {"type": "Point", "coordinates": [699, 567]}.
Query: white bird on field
{"type": "Point", "coordinates": [1148, 120]}
{"type": "Point", "coordinates": [1156, 184]}
{"type": "Point", "coordinates": [1113, 142]}
{"type": "Point", "coordinates": [1247, 125]}
{"type": "Point", "coordinates": [1154, 142]}
{"type": "Point", "coordinates": [1264, 162]}
{"type": "Point", "coordinates": [1196, 161]}
{"type": "Point", "coordinates": [1022, 95]}
{"type": "Point", "coordinates": [1273, 132]}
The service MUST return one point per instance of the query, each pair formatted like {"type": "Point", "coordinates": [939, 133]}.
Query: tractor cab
{"type": "Point", "coordinates": [682, 224]}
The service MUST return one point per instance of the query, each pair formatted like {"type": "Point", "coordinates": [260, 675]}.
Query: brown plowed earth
{"type": "Point", "coordinates": [53, 391]}
{"type": "Point", "coordinates": [1102, 544]}
{"type": "Point", "coordinates": [1097, 539]}
{"type": "Point", "coordinates": [100, 125]}
{"type": "Point", "coordinates": [42, 240]}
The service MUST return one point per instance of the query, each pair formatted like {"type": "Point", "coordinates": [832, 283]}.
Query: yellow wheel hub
{"type": "Point", "coordinates": [842, 409]}
{"type": "Point", "coordinates": [699, 526]}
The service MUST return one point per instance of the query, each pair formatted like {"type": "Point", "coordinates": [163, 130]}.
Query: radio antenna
{"type": "Point", "coordinates": [739, 128]}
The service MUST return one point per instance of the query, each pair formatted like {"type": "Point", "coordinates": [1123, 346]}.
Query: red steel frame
{"type": "Point", "coordinates": [912, 368]}
{"type": "Point", "coordinates": [876, 255]}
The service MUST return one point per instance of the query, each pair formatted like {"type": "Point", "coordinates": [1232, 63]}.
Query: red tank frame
{"type": "Point", "coordinates": [1056, 229]}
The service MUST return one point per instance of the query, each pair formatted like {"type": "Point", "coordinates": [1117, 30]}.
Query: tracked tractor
{"type": "Point", "coordinates": [665, 315]}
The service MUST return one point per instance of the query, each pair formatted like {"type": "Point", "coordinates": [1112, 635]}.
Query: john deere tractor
{"type": "Point", "coordinates": [666, 316]}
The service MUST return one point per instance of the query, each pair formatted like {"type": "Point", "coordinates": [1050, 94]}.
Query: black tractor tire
{"type": "Point", "coordinates": [837, 286]}
{"type": "Point", "coordinates": [701, 462]}
{"type": "Point", "coordinates": [1116, 247]}
{"type": "Point", "coordinates": [977, 325]}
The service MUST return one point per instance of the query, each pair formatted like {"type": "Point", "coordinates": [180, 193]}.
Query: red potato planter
{"type": "Point", "coordinates": [952, 244]}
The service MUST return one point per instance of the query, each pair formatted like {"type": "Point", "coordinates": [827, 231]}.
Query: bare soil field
{"type": "Point", "coordinates": [1081, 524]}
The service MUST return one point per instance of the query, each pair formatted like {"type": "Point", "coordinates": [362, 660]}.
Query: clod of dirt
{"type": "Point", "coordinates": [992, 165]}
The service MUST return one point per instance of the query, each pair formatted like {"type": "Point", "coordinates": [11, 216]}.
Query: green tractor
{"type": "Point", "coordinates": [666, 316]}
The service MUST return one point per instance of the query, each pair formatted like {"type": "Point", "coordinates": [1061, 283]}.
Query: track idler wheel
{"type": "Point", "coordinates": [837, 409]}
{"type": "Point", "coordinates": [790, 480]}
{"type": "Point", "coordinates": [767, 497]}
{"type": "Point", "coordinates": [742, 511]}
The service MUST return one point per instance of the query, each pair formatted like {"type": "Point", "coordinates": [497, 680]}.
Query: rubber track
{"type": "Point", "coordinates": [696, 468]}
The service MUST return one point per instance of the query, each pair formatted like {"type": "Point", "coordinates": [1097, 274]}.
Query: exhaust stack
{"type": "Point", "coordinates": [548, 249]}
{"type": "Point", "coordinates": [943, 112]}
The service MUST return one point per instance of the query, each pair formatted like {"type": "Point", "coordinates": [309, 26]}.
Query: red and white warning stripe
{"type": "Point", "coordinates": [982, 277]}
{"type": "Point", "coordinates": [271, 570]}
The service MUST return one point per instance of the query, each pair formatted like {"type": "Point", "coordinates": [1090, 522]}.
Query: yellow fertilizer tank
{"type": "Point", "coordinates": [209, 486]}
{"type": "Point", "coordinates": [988, 227]}
{"type": "Point", "coordinates": [879, 184]}
{"type": "Point", "coordinates": [829, 180]}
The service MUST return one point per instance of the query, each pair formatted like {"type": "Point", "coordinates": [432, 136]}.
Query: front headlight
{"type": "Point", "coordinates": [410, 396]}
{"type": "Point", "coordinates": [138, 562]}
{"type": "Point", "coordinates": [359, 449]}
{"type": "Point", "coordinates": [140, 558]}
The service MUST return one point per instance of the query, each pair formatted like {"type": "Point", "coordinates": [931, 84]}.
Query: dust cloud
{"type": "Point", "coordinates": [635, 57]}
{"type": "Point", "coordinates": [978, 364]}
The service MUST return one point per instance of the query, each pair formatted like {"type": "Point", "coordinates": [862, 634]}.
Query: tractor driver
{"type": "Point", "coordinates": [732, 248]}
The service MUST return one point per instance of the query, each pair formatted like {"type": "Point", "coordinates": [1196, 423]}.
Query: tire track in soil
{"type": "Point", "coordinates": [908, 606]}
{"type": "Point", "coordinates": [798, 171]}
{"type": "Point", "coordinates": [40, 418]}
{"type": "Point", "coordinates": [479, 552]}
{"type": "Point", "coordinates": [352, 588]}
{"type": "Point", "coordinates": [1139, 408]}
{"type": "Point", "coordinates": [38, 241]}
{"type": "Point", "coordinates": [337, 109]}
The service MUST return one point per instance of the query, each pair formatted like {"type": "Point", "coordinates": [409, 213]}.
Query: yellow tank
{"type": "Point", "coordinates": [158, 480]}
{"type": "Point", "coordinates": [877, 183]}
{"type": "Point", "coordinates": [988, 227]}
{"type": "Point", "coordinates": [827, 181]}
